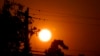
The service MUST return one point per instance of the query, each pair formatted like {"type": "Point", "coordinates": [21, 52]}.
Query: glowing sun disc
{"type": "Point", "coordinates": [44, 35]}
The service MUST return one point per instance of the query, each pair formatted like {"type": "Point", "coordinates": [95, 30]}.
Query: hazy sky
{"type": "Point", "coordinates": [77, 22]}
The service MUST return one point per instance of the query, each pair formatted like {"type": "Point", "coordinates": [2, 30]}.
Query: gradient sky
{"type": "Point", "coordinates": [77, 22]}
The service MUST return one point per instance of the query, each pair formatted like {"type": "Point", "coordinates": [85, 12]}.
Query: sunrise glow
{"type": "Point", "coordinates": [45, 35]}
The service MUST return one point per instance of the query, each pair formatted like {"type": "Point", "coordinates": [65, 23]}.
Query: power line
{"type": "Point", "coordinates": [63, 14]}
{"type": "Point", "coordinates": [85, 50]}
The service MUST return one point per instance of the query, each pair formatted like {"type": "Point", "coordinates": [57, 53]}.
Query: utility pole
{"type": "Point", "coordinates": [27, 48]}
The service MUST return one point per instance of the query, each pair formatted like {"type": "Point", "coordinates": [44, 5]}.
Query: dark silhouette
{"type": "Point", "coordinates": [81, 55]}
{"type": "Point", "coordinates": [54, 50]}
{"type": "Point", "coordinates": [14, 30]}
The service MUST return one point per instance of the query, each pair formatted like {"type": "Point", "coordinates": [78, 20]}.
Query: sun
{"type": "Point", "coordinates": [44, 35]}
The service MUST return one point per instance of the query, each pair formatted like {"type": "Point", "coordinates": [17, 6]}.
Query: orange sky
{"type": "Point", "coordinates": [74, 21]}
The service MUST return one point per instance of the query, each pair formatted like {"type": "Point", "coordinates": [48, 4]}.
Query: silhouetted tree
{"type": "Point", "coordinates": [14, 30]}
{"type": "Point", "coordinates": [54, 50]}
